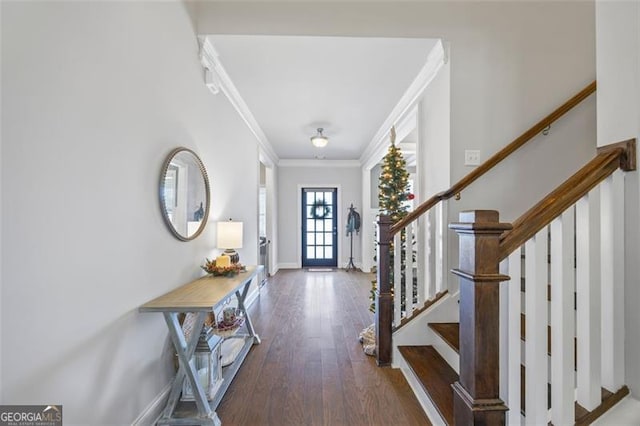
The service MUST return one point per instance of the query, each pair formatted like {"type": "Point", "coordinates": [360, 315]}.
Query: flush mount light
{"type": "Point", "coordinates": [319, 140]}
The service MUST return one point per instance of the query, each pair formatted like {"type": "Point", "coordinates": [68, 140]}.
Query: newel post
{"type": "Point", "coordinates": [476, 394]}
{"type": "Point", "coordinates": [384, 298]}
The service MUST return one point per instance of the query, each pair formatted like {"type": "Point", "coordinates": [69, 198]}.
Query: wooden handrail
{"type": "Point", "coordinates": [494, 159]}
{"type": "Point", "coordinates": [608, 160]}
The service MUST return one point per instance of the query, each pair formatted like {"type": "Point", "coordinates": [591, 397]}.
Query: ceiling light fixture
{"type": "Point", "coordinates": [319, 140]}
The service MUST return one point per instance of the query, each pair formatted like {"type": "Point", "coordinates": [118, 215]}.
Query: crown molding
{"type": "Point", "coordinates": [435, 61]}
{"type": "Point", "coordinates": [408, 147]}
{"type": "Point", "coordinates": [319, 163]}
{"type": "Point", "coordinates": [216, 78]}
{"type": "Point", "coordinates": [404, 126]}
{"type": "Point", "coordinates": [208, 58]}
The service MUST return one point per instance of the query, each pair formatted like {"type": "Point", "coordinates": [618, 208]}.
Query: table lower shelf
{"type": "Point", "coordinates": [186, 412]}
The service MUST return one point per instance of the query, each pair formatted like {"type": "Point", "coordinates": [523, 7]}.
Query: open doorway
{"type": "Point", "coordinates": [263, 213]}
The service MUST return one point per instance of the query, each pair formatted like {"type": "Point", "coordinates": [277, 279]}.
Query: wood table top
{"type": "Point", "coordinates": [202, 294]}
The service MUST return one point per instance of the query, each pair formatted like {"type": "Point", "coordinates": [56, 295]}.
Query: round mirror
{"type": "Point", "coordinates": [184, 194]}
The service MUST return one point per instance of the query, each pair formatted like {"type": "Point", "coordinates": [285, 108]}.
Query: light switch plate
{"type": "Point", "coordinates": [471, 157]}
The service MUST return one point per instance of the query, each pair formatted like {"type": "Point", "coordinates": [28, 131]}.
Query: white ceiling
{"type": "Point", "coordinates": [293, 85]}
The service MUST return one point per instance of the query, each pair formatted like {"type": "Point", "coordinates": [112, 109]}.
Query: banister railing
{"type": "Point", "coordinates": [571, 245]}
{"type": "Point", "coordinates": [430, 233]}
{"type": "Point", "coordinates": [609, 158]}
{"type": "Point", "coordinates": [495, 159]}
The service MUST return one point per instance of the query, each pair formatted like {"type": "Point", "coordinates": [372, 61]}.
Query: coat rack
{"type": "Point", "coordinates": [353, 225]}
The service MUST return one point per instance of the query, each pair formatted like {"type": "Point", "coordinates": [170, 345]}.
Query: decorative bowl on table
{"type": "Point", "coordinates": [222, 271]}
{"type": "Point", "coordinates": [227, 326]}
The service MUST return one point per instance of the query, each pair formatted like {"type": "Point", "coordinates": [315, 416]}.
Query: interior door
{"type": "Point", "coordinates": [319, 227]}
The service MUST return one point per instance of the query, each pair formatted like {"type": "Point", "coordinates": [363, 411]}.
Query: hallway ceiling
{"type": "Point", "coordinates": [293, 85]}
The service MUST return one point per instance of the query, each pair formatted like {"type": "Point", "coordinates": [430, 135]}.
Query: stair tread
{"type": "Point", "coordinates": [449, 331]}
{"type": "Point", "coordinates": [434, 375]}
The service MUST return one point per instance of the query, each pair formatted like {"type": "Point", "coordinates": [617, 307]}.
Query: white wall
{"type": "Point", "coordinates": [618, 66]}
{"type": "Point", "coordinates": [434, 135]}
{"type": "Point", "coordinates": [290, 180]}
{"type": "Point", "coordinates": [94, 97]}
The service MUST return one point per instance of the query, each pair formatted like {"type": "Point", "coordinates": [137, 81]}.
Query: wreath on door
{"type": "Point", "coordinates": [320, 209]}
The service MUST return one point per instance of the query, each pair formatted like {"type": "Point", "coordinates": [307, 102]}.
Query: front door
{"type": "Point", "coordinates": [319, 227]}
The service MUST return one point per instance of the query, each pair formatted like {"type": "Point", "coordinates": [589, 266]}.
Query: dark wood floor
{"type": "Point", "coordinates": [310, 368]}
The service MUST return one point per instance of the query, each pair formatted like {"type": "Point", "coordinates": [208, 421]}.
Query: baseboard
{"type": "Point", "coordinates": [298, 266]}
{"type": "Point", "coordinates": [252, 297]}
{"type": "Point", "coordinates": [358, 265]}
{"type": "Point", "coordinates": [152, 413]}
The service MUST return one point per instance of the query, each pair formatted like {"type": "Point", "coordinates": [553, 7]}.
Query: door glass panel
{"type": "Point", "coordinates": [327, 252]}
{"type": "Point", "coordinates": [329, 213]}
{"type": "Point", "coordinates": [311, 225]}
{"type": "Point", "coordinates": [310, 198]}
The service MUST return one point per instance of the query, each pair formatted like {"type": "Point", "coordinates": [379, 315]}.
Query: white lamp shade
{"type": "Point", "coordinates": [229, 235]}
{"type": "Point", "coordinates": [319, 141]}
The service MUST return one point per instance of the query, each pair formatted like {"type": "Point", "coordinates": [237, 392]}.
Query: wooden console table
{"type": "Point", "coordinates": [201, 296]}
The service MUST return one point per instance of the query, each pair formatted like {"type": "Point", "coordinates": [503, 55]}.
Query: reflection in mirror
{"type": "Point", "coordinates": [184, 194]}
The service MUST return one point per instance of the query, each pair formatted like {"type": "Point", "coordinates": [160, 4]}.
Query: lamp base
{"type": "Point", "coordinates": [235, 257]}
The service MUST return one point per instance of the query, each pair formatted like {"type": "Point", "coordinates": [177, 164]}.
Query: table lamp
{"type": "Point", "coordinates": [230, 238]}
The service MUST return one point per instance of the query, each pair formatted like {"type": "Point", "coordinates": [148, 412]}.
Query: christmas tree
{"type": "Point", "coordinates": [393, 189]}
{"type": "Point", "coordinates": [393, 194]}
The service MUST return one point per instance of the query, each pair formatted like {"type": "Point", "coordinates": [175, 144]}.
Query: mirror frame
{"type": "Point", "coordinates": [163, 208]}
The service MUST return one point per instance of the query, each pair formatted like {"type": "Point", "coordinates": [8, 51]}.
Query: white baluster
{"type": "Point", "coordinates": [439, 247]}
{"type": "Point", "coordinates": [536, 329]}
{"type": "Point", "coordinates": [513, 338]}
{"type": "Point", "coordinates": [562, 319]}
{"type": "Point", "coordinates": [420, 260]}
{"type": "Point", "coordinates": [397, 300]}
{"type": "Point", "coordinates": [588, 300]}
{"type": "Point", "coordinates": [408, 270]}
{"type": "Point", "coordinates": [430, 255]}
{"type": "Point", "coordinates": [612, 281]}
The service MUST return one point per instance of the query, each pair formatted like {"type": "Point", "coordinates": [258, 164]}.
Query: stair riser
{"type": "Point", "coordinates": [445, 351]}
{"type": "Point", "coordinates": [413, 333]}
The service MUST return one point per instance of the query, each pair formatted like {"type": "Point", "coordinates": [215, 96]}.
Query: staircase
{"type": "Point", "coordinates": [436, 377]}
{"type": "Point", "coordinates": [537, 338]}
